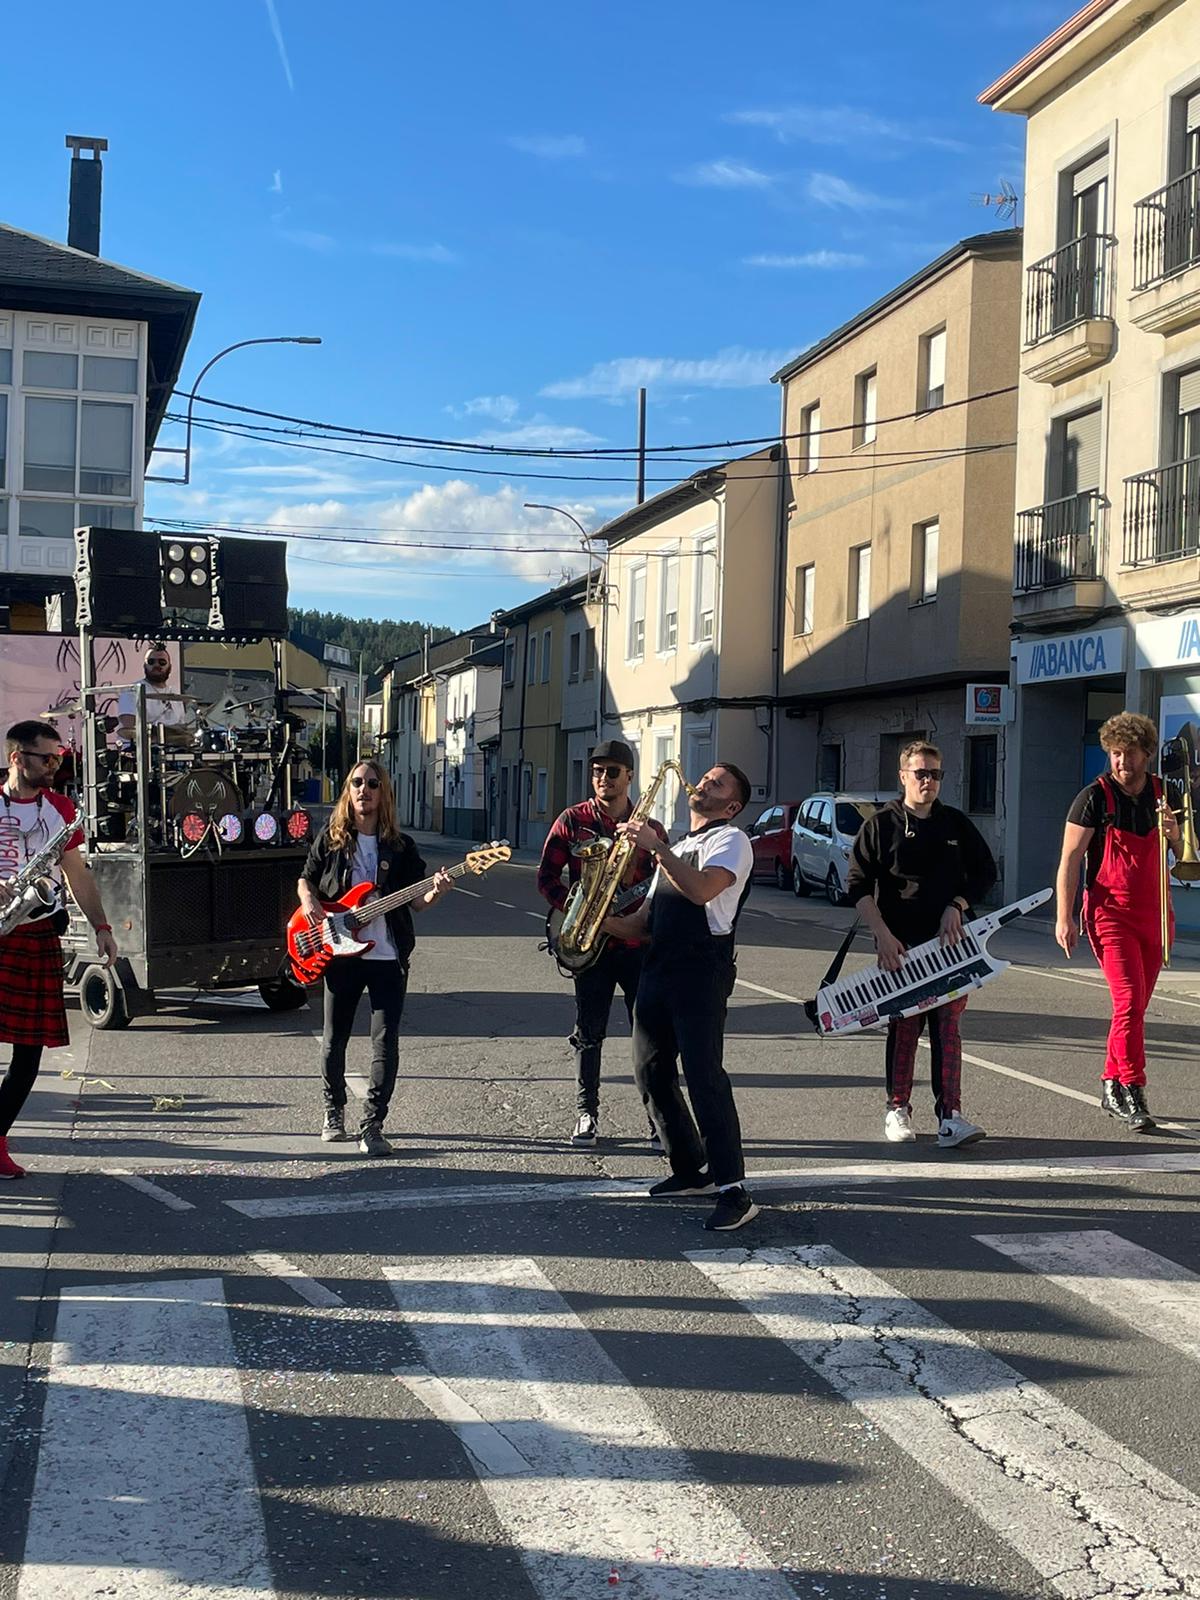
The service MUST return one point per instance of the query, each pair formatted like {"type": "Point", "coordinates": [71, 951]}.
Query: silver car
{"type": "Point", "coordinates": [822, 836]}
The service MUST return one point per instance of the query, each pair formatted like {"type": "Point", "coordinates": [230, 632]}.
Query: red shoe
{"type": "Point", "coordinates": [8, 1167]}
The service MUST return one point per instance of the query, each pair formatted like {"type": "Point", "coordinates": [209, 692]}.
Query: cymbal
{"type": "Point", "coordinates": [71, 709]}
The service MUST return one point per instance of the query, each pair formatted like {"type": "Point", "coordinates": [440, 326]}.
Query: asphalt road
{"type": "Point", "coordinates": [239, 1363]}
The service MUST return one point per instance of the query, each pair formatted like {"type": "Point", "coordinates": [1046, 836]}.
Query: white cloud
{"type": "Point", "coordinates": [499, 407]}
{"type": "Point", "coordinates": [726, 174]}
{"type": "Point", "coordinates": [839, 125]}
{"type": "Point", "coordinates": [277, 31]}
{"type": "Point", "coordinates": [539, 433]}
{"type": "Point", "coordinates": [323, 244]}
{"type": "Point", "coordinates": [326, 244]}
{"type": "Point", "coordinates": [415, 252]}
{"type": "Point", "coordinates": [550, 146]}
{"type": "Point", "coordinates": [731, 368]}
{"type": "Point", "coordinates": [821, 260]}
{"type": "Point", "coordinates": [828, 190]}
{"type": "Point", "coordinates": [276, 182]}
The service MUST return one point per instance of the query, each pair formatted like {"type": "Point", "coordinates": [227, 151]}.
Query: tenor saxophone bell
{"type": "Point", "coordinates": [1186, 866]}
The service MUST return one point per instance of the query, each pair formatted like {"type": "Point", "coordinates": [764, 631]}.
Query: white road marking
{"type": "Point", "coordinates": [942, 1167]}
{"type": "Point", "coordinates": [307, 1288]}
{"type": "Point", "coordinates": [360, 1085]}
{"type": "Point", "coordinates": [536, 915]}
{"type": "Point", "coordinates": [1089, 983]}
{"type": "Point", "coordinates": [145, 1482]}
{"type": "Point", "coordinates": [490, 1452]}
{"type": "Point", "coordinates": [1087, 1514]}
{"type": "Point", "coordinates": [474, 893]}
{"type": "Point", "coordinates": [603, 1494]}
{"type": "Point", "coordinates": [505, 904]}
{"type": "Point", "coordinates": [1156, 1297]}
{"type": "Point", "coordinates": [154, 1190]}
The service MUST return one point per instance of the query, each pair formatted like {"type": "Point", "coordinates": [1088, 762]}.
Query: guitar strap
{"type": "Point", "coordinates": [835, 967]}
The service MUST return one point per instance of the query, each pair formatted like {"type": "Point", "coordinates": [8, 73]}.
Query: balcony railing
{"type": "Point", "coordinates": [1166, 231]}
{"type": "Point", "coordinates": [1058, 542]}
{"type": "Point", "coordinates": [1073, 285]}
{"type": "Point", "coordinates": [1162, 513]}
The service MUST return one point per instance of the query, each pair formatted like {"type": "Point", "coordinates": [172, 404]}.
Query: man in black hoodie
{"type": "Point", "coordinates": [916, 869]}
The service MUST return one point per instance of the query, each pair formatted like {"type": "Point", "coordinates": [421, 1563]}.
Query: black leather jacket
{"type": "Point", "coordinates": [329, 873]}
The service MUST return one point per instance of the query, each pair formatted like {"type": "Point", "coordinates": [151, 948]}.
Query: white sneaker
{"type": "Point", "coordinates": [586, 1129]}
{"type": "Point", "coordinates": [897, 1125]}
{"type": "Point", "coordinates": [956, 1130]}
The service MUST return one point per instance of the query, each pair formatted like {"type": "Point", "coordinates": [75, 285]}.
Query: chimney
{"type": "Point", "coordinates": [83, 217]}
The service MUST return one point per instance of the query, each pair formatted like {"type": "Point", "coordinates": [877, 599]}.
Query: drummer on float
{"type": "Point", "coordinates": [163, 708]}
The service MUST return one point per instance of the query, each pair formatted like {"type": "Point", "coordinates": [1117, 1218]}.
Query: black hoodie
{"type": "Point", "coordinates": [915, 866]}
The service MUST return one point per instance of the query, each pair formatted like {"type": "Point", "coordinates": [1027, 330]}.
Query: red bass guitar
{"type": "Point", "coordinates": [340, 929]}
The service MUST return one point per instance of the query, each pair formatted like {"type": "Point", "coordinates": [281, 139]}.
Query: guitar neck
{"type": "Point", "coordinates": [402, 897]}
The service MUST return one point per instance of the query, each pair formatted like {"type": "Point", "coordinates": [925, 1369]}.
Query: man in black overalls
{"type": "Point", "coordinates": [689, 918]}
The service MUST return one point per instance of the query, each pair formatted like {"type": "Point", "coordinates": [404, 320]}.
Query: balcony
{"type": "Point", "coordinates": [1068, 309]}
{"type": "Point", "coordinates": [1162, 514]}
{"type": "Point", "coordinates": [1166, 257]}
{"type": "Point", "coordinates": [1059, 558]}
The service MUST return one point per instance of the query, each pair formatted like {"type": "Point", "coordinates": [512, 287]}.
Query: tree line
{"type": "Point", "coordinates": [379, 641]}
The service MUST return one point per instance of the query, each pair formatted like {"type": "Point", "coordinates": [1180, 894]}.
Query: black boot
{"type": "Point", "coordinates": [1113, 1099]}
{"type": "Point", "coordinates": [1140, 1120]}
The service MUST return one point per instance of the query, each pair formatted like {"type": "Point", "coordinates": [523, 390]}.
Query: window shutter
{"type": "Point", "coordinates": [1191, 113]}
{"type": "Point", "coordinates": [1189, 391]}
{"type": "Point", "coordinates": [1085, 178]}
{"type": "Point", "coordinates": [937, 360]}
{"type": "Point", "coordinates": [1081, 463]}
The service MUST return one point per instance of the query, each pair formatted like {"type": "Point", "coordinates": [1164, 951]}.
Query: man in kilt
{"type": "Point", "coordinates": [33, 1012]}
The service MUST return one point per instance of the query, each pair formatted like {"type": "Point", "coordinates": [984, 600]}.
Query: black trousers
{"type": "Point", "coordinates": [620, 966]}
{"type": "Point", "coordinates": [386, 983]}
{"type": "Point", "coordinates": [679, 1018]}
{"type": "Point", "coordinates": [18, 1081]}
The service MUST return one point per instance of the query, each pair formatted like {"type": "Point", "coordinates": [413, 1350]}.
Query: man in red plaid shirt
{"type": "Point", "coordinates": [619, 964]}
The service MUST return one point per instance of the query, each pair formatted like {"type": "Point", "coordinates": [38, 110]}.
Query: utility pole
{"type": "Point", "coordinates": [362, 708]}
{"type": "Point", "coordinates": [641, 450]}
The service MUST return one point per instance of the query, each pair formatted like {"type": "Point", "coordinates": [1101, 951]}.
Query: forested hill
{"type": "Point", "coordinates": [379, 641]}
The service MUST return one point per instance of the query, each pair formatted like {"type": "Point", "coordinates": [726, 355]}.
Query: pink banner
{"type": "Point", "coordinates": [39, 673]}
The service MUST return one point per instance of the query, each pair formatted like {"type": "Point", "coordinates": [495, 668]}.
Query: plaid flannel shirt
{"type": "Point", "coordinates": [576, 825]}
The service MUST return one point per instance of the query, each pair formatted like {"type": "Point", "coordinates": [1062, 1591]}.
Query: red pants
{"type": "Point", "coordinates": [1130, 958]}
{"type": "Point", "coordinates": [945, 1047]}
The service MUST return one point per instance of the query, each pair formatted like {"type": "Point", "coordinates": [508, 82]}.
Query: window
{"type": "Point", "coordinates": [47, 519]}
{"type": "Point", "coordinates": [932, 393]}
{"type": "Point", "coordinates": [805, 583]}
{"type": "Point", "coordinates": [578, 792]}
{"type": "Point", "coordinates": [589, 657]}
{"type": "Point", "coordinates": [1073, 465]}
{"type": "Point", "coordinates": [890, 746]}
{"type": "Point", "coordinates": [3, 437]}
{"type": "Point", "coordinates": [105, 448]}
{"type": "Point", "coordinates": [668, 604]}
{"type": "Point", "coordinates": [635, 636]}
{"type": "Point", "coordinates": [5, 366]}
{"type": "Point", "coordinates": [1083, 199]}
{"type": "Point", "coordinates": [981, 774]}
{"type": "Point", "coordinates": [540, 804]}
{"type": "Point", "coordinates": [860, 582]}
{"type": "Point", "coordinates": [516, 788]}
{"type": "Point", "coordinates": [664, 800]}
{"type": "Point", "coordinates": [925, 561]}
{"type": "Point", "coordinates": [45, 370]}
{"type": "Point", "coordinates": [829, 775]}
{"type": "Point", "coordinates": [109, 375]}
{"type": "Point", "coordinates": [530, 657]}
{"type": "Point", "coordinates": [510, 661]}
{"type": "Point", "coordinates": [50, 445]}
{"type": "Point", "coordinates": [574, 656]}
{"type": "Point", "coordinates": [810, 436]}
{"type": "Point", "coordinates": [546, 656]}
{"type": "Point", "coordinates": [705, 590]}
{"type": "Point", "coordinates": [865, 408]}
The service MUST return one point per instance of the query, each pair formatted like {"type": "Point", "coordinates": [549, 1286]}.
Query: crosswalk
{"type": "Point", "coordinates": [146, 1483]}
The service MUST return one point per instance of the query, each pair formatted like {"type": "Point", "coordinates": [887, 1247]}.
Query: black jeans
{"type": "Point", "coordinates": [386, 983]}
{"type": "Point", "coordinates": [18, 1081]}
{"type": "Point", "coordinates": [680, 1017]}
{"type": "Point", "coordinates": [619, 966]}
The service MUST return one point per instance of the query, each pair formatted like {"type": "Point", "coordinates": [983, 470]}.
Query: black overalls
{"type": "Point", "coordinates": [679, 1016]}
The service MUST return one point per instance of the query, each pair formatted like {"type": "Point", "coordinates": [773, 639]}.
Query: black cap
{"type": "Point", "coordinates": [615, 750]}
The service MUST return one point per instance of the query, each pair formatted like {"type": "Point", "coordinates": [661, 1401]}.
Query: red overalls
{"type": "Point", "coordinates": [1122, 915]}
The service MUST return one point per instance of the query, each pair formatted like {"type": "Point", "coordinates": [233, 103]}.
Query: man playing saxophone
{"type": "Point", "coordinates": [33, 1013]}
{"type": "Point", "coordinates": [619, 964]}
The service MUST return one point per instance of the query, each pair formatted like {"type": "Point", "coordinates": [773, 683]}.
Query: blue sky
{"type": "Point", "coordinates": [501, 218]}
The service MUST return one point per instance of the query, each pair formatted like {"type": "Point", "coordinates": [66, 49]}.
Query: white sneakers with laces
{"type": "Point", "coordinates": [955, 1130]}
{"type": "Point", "coordinates": [897, 1125]}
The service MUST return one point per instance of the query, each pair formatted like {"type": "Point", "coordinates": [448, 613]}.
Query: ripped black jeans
{"type": "Point", "coordinates": [620, 966]}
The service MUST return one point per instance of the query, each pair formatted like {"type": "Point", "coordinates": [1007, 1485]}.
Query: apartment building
{"type": "Point", "coordinates": [469, 700]}
{"type": "Point", "coordinates": [687, 645]}
{"type": "Point", "coordinates": [414, 737]}
{"type": "Point", "coordinates": [1107, 602]}
{"type": "Point", "coordinates": [898, 545]}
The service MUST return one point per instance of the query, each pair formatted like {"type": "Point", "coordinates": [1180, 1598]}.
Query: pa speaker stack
{"type": "Point", "coordinates": [251, 591]}
{"type": "Point", "coordinates": [118, 581]}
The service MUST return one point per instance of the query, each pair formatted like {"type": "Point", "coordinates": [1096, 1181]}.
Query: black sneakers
{"type": "Point", "coordinates": [372, 1143]}
{"type": "Point", "coordinates": [333, 1129]}
{"type": "Point", "coordinates": [666, 1187]}
{"type": "Point", "coordinates": [733, 1209]}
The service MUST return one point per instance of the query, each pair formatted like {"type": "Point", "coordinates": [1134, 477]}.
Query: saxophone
{"type": "Point", "coordinates": [602, 865]}
{"type": "Point", "coordinates": [33, 893]}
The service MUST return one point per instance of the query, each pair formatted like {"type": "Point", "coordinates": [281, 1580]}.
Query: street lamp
{"type": "Point", "coordinates": [586, 538]}
{"type": "Point", "coordinates": [186, 452]}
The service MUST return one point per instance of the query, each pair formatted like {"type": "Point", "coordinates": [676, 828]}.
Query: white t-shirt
{"type": "Point", "coordinates": [366, 869]}
{"type": "Point", "coordinates": [27, 826]}
{"type": "Point", "coordinates": [161, 707]}
{"type": "Point", "coordinates": [726, 847]}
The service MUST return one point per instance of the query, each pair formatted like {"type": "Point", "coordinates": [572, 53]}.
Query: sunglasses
{"type": "Point", "coordinates": [55, 756]}
{"type": "Point", "coordinates": [371, 783]}
{"type": "Point", "coordinates": [607, 772]}
{"type": "Point", "coordinates": [926, 774]}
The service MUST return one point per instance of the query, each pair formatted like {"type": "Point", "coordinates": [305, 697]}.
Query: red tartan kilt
{"type": "Point", "coordinates": [32, 1007]}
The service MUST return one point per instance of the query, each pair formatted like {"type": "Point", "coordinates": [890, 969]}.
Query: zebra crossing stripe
{"type": "Point", "coordinates": [1087, 1514]}
{"type": "Point", "coordinates": [1156, 1297]}
{"type": "Point", "coordinates": [587, 1484]}
{"type": "Point", "coordinates": [145, 1484]}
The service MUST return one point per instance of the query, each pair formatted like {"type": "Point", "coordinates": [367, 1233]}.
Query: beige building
{"type": "Point", "coordinates": [1107, 604]}
{"type": "Point", "coordinates": [898, 551]}
{"type": "Point", "coordinates": [687, 647]}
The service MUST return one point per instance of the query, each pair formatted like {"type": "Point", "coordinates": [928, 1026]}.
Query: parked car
{"type": "Point", "coordinates": [822, 836]}
{"type": "Point", "coordinates": [771, 840]}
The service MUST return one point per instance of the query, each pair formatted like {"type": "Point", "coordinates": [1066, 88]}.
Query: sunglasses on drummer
{"type": "Point", "coordinates": [607, 772]}
{"type": "Point", "coordinates": [371, 783]}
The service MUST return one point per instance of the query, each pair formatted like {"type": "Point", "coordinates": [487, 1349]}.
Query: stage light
{"type": "Point", "coordinates": [266, 828]}
{"type": "Point", "coordinates": [230, 828]}
{"type": "Point", "coordinates": [193, 826]}
{"type": "Point", "coordinates": [187, 575]}
{"type": "Point", "coordinates": [298, 826]}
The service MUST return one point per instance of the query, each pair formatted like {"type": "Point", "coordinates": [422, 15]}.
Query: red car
{"type": "Point", "coordinates": [771, 840]}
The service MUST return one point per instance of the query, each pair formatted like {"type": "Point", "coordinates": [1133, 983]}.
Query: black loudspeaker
{"type": "Point", "coordinates": [251, 589]}
{"type": "Point", "coordinates": [118, 581]}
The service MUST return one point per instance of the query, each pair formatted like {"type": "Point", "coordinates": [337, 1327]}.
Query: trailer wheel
{"type": "Point", "coordinates": [281, 994]}
{"type": "Point", "coordinates": [102, 1000]}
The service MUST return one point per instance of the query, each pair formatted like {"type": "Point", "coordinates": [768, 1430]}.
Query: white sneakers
{"type": "Point", "coordinates": [952, 1130]}
{"type": "Point", "coordinates": [897, 1125]}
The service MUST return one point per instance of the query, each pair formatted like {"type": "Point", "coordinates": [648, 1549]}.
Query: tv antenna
{"type": "Point", "coordinates": [1005, 203]}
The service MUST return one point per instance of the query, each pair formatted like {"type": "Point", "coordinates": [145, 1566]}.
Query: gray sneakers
{"type": "Point", "coordinates": [372, 1143]}
{"type": "Point", "coordinates": [333, 1129]}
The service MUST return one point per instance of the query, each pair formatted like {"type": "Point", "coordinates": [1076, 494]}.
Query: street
{"type": "Point", "coordinates": [238, 1362]}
